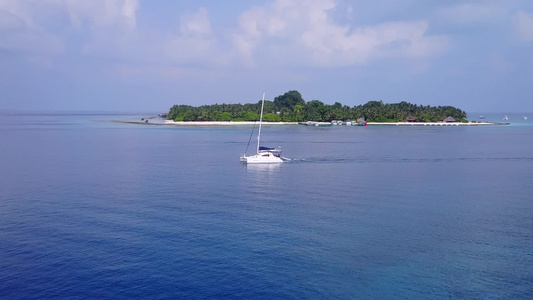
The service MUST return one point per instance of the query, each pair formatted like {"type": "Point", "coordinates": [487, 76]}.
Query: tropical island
{"type": "Point", "coordinates": [291, 107]}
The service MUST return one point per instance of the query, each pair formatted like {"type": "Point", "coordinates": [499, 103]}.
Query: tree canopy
{"type": "Point", "coordinates": [288, 100]}
{"type": "Point", "coordinates": [291, 107]}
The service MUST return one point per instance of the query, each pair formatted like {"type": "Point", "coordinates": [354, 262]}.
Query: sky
{"type": "Point", "coordinates": [147, 55]}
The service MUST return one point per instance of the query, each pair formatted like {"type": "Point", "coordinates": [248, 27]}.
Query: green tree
{"type": "Point", "coordinates": [225, 116]}
{"type": "Point", "coordinates": [270, 117]}
{"type": "Point", "coordinates": [298, 113]}
{"type": "Point", "coordinates": [251, 116]}
{"type": "Point", "coordinates": [288, 100]}
{"type": "Point", "coordinates": [314, 111]}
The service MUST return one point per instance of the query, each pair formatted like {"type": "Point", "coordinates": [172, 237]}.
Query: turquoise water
{"type": "Point", "coordinates": [91, 208]}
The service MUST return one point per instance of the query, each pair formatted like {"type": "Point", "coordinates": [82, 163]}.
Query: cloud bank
{"type": "Point", "coordinates": [122, 45]}
{"type": "Point", "coordinates": [282, 32]}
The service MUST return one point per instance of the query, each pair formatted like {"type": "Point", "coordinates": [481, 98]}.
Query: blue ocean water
{"type": "Point", "coordinates": [91, 208]}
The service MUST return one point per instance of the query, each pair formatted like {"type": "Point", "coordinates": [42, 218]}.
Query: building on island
{"type": "Point", "coordinates": [449, 120]}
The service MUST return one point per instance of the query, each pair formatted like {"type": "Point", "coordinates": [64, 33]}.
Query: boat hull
{"type": "Point", "coordinates": [261, 159]}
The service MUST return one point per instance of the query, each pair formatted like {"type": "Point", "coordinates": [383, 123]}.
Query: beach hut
{"type": "Point", "coordinates": [410, 119]}
{"type": "Point", "coordinates": [449, 120]}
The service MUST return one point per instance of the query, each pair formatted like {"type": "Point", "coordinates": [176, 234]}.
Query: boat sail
{"type": "Point", "coordinates": [264, 155]}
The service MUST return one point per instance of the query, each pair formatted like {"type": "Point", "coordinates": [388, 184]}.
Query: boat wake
{"type": "Point", "coordinates": [331, 160]}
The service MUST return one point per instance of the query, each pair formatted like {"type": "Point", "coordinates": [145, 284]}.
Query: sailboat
{"type": "Point", "coordinates": [264, 155]}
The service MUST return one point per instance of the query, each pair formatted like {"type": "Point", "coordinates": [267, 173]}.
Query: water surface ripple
{"type": "Point", "coordinates": [96, 209]}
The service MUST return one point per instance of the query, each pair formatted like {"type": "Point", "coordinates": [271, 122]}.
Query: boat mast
{"type": "Point", "coordinates": [260, 121]}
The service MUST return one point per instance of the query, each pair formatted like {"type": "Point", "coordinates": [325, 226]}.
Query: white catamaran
{"type": "Point", "coordinates": [264, 155]}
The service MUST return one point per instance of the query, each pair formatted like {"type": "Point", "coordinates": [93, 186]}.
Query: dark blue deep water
{"type": "Point", "coordinates": [93, 209]}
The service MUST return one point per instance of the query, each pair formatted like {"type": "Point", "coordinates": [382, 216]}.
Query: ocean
{"type": "Point", "coordinates": [96, 209]}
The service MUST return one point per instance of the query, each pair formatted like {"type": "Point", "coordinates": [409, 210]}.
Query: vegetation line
{"type": "Point", "coordinates": [291, 107]}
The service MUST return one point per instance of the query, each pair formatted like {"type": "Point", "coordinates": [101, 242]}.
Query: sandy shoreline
{"type": "Point", "coordinates": [231, 123]}
{"type": "Point", "coordinates": [436, 124]}
{"type": "Point", "coordinates": [199, 123]}
{"type": "Point", "coordinates": [223, 123]}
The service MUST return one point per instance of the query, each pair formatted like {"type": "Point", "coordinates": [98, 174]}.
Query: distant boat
{"type": "Point", "coordinates": [505, 118]}
{"type": "Point", "coordinates": [264, 155]}
{"type": "Point", "coordinates": [481, 117]}
{"type": "Point", "coordinates": [525, 118]}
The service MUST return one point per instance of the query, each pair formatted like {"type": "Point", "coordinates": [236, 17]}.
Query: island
{"type": "Point", "coordinates": [292, 108]}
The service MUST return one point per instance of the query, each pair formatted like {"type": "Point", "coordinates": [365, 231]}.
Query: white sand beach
{"type": "Point", "coordinates": [435, 124]}
{"type": "Point", "coordinates": [223, 123]}
{"type": "Point", "coordinates": [239, 123]}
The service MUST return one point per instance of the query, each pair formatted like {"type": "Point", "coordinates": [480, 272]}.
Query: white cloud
{"type": "Point", "coordinates": [34, 27]}
{"type": "Point", "coordinates": [305, 31]}
{"type": "Point", "coordinates": [102, 28]}
{"type": "Point", "coordinates": [103, 13]}
{"type": "Point", "coordinates": [337, 46]}
{"type": "Point", "coordinates": [283, 32]}
{"type": "Point", "coordinates": [190, 45]}
{"type": "Point", "coordinates": [196, 24]}
{"type": "Point", "coordinates": [21, 32]}
{"type": "Point", "coordinates": [193, 43]}
{"type": "Point", "coordinates": [129, 10]}
{"type": "Point", "coordinates": [523, 22]}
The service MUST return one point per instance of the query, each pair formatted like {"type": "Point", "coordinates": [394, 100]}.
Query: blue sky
{"type": "Point", "coordinates": [140, 55]}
